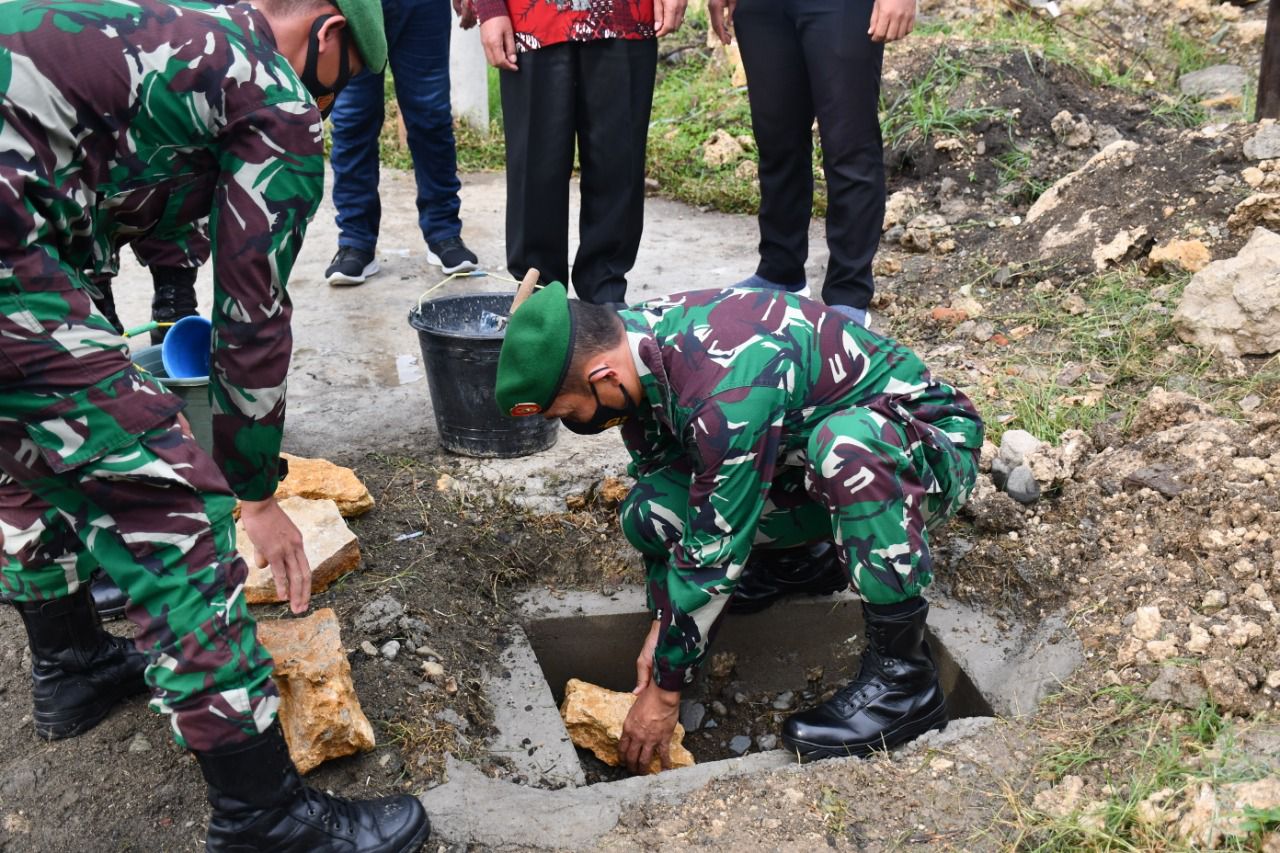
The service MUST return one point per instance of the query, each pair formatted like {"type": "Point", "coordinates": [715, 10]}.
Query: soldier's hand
{"type": "Point", "coordinates": [648, 728]}
{"type": "Point", "coordinates": [278, 544]}
{"type": "Point", "coordinates": [644, 662]}
{"type": "Point", "coordinates": [499, 41]}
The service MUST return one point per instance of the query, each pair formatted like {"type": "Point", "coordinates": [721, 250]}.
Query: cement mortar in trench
{"type": "Point", "coordinates": [985, 670]}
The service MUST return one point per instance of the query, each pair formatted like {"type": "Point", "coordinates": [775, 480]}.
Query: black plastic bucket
{"type": "Point", "coordinates": [461, 360]}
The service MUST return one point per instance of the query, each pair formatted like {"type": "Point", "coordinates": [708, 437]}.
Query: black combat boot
{"type": "Point", "coordinates": [260, 803]}
{"type": "Point", "coordinates": [894, 698]}
{"type": "Point", "coordinates": [78, 671]}
{"type": "Point", "coordinates": [104, 299]}
{"type": "Point", "coordinates": [175, 297]}
{"type": "Point", "coordinates": [770, 575]}
{"type": "Point", "coordinates": [108, 599]}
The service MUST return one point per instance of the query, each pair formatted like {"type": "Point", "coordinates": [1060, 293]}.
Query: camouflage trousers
{"type": "Point", "coordinates": [874, 483]}
{"type": "Point", "coordinates": [96, 471]}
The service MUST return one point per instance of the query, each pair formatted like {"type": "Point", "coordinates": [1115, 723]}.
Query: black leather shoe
{"type": "Point", "coordinates": [894, 698]}
{"type": "Point", "coordinates": [108, 599]}
{"type": "Point", "coordinates": [175, 297]}
{"type": "Point", "coordinates": [770, 575]}
{"type": "Point", "coordinates": [79, 672]}
{"type": "Point", "coordinates": [260, 803]}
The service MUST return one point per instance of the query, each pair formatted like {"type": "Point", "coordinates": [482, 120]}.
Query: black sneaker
{"type": "Point", "coordinates": [452, 255]}
{"type": "Point", "coordinates": [351, 266]}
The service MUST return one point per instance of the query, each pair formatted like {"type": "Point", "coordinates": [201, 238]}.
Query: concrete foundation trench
{"type": "Point", "coordinates": [565, 799]}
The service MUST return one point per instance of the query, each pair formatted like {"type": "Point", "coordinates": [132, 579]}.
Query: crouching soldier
{"type": "Point", "coordinates": [777, 446]}
{"type": "Point", "coordinates": [130, 119]}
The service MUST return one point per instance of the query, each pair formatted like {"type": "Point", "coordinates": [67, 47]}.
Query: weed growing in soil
{"type": "Point", "coordinates": [1081, 367]}
{"type": "Point", "coordinates": [1130, 768]}
{"type": "Point", "coordinates": [926, 109]}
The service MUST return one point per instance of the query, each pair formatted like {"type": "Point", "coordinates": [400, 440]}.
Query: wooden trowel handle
{"type": "Point", "coordinates": [525, 290]}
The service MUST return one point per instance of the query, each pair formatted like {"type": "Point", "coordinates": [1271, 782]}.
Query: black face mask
{"type": "Point", "coordinates": [323, 94]}
{"type": "Point", "coordinates": [604, 417]}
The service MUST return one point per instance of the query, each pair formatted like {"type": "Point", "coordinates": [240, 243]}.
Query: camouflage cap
{"type": "Point", "coordinates": [536, 351]}
{"type": "Point", "coordinates": [364, 17]}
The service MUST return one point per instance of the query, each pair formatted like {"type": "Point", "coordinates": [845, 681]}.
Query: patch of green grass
{"type": "Point", "coordinates": [1136, 758]}
{"type": "Point", "coordinates": [1181, 111]}
{"type": "Point", "coordinates": [1015, 166]}
{"type": "Point", "coordinates": [1124, 339]}
{"type": "Point", "coordinates": [690, 103]}
{"type": "Point", "coordinates": [926, 110]}
{"type": "Point", "coordinates": [1188, 53]}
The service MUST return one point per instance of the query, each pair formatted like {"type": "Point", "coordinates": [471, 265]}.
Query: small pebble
{"type": "Point", "coordinates": [139, 743]}
{"type": "Point", "coordinates": [390, 649]}
{"type": "Point", "coordinates": [784, 701]}
{"type": "Point", "coordinates": [740, 698]}
{"type": "Point", "coordinates": [369, 649]}
{"type": "Point", "coordinates": [767, 742]}
{"type": "Point", "coordinates": [718, 708]}
{"type": "Point", "coordinates": [740, 744]}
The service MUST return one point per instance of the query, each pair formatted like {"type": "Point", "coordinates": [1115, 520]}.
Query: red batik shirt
{"type": "Point", "coordinates": [538, 23]}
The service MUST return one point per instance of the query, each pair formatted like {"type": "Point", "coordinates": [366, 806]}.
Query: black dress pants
{"type": "Point", "coordinates": [809, 59]}
{"type": "Point", "coordinates": [596, 95]}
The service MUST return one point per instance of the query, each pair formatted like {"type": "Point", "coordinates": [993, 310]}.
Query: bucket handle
{"type": "Point", "coordinates": [527, 286]}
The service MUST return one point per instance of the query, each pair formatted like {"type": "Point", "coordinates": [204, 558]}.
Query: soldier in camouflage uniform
{"type": "Point", "coordinates": [131, 119]}
{"type": "Point", "coordinates": [759, 424]}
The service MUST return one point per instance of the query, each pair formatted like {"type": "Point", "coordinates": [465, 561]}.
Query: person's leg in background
{"type": "Point", "coordinates": [538, 126]}
{"type": "Point", "coordinates": [356, 122]}
{"type": "Point", "coordinates": [419, 61]}
{"type": "Point", "coordinates": [782, 120]}
{"type": "Point", "coordinates": [614, 99]}
{"type": "Point", "coordinates": [174, 263]}
{"type": "Point", "coordinates": [844, 77]}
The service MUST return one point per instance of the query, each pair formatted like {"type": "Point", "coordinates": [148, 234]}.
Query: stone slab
{"type": "Point", "coordinates": [320, 713]}
{"type": "Point", "coordinates": [331, 548]}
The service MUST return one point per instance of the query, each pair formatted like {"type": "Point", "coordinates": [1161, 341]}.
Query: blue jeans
{"type": "Point", "coordinates": [418, 50]}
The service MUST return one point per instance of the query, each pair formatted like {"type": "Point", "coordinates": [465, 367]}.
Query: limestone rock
{"type": "Point", "coordinates": [1178, 686]}
{"type": "Point", "coordinates": [1119, 247]}
{"type": "Point", "coordinates": [1147, 623]}
{"type": "Point", "coordinates": [1015, 444]}
{"type": "Point", "coordinates": [720, 149]}
{"type": "Point", "coordinates": [331, 548]}
{"type": "Point", "coordinates": [1214, 81]}
{"type": "Point", "coordinates": [747, 170]}
{"type": "Point", "coordinates": [899, 208]}
{"type": "Point", "coordinates": [594, 718]}
{"type": "Point", "coordinates": [1227, 690]}
{"type": "Point", "coordinates": [319, 479]}
{"type": "Point", "coordinates": [1259, 209]}
{"type": "Point", "coordinates": [1022, 485]}
{"type": "Point", "coordinates": [1265, 144]}
{"type": "Point", "coordinates": [1071, 131]}
{"type": "Point", "coordinates": [1233, 305]}
{"type": "Point", "coordinates": [1062, 799]}
{"type": "Point", "coordinates": [1119, 152]}
{"type": "Point", "coordinates": [1186, 255]}
{"type": "Point", "coordinates": [320, 713]}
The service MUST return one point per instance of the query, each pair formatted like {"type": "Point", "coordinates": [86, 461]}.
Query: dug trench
{"type": "Point", "coordinates": [457, 579]}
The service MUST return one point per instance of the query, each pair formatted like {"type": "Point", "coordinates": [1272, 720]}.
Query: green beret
{"type": "Point", "coordinates": [364, 17]}
{"type": "Point", "coordinates": [536, 351]}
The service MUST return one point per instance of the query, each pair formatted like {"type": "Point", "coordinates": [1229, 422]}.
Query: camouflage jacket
{"type": "Point", "coordinates": [736, 382]}
{"type": "Point", "coordinates": [122, 120]}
